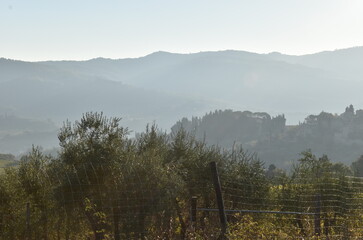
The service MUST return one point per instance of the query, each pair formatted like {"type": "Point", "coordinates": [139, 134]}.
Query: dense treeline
{"type": "Point", "coordinates": [339, 136]}
{"type": "Point", "coordinates": [104, 185]}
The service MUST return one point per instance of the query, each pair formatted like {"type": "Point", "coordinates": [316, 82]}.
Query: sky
{"type": "Point", "coordinates": [36, 30]}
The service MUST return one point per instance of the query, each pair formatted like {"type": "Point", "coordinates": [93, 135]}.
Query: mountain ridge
{"type": "Point", "coordinates": [165, 87]}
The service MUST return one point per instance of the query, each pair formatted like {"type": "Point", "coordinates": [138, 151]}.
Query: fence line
{"type": "Point", "coordinates": [62, 205]}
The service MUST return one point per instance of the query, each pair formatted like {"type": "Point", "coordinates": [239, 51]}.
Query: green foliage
{"type": "Point", "coordinates": [104, 185]}
{"type": "Point", "coordinates": [247, 228]}
{"type": "Point", "coordinates": [340, 136]}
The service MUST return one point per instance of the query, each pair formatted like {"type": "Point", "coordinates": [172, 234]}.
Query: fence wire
{"type": "Point", "coordinates": [326, 206]}
{"type": "Point", "coordinates": [143, 199]}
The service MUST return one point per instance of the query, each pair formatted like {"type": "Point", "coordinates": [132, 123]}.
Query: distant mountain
{"type": "Point", "coordinates": [36, 90]}
{"type": "Point", "coordinates": [164, 87]}
{"type": "Point", "coordinates": [277, 83]}
{"type": "Point", "coordinates": [345, 63]}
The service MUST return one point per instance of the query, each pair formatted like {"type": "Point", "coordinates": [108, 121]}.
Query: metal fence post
{"type": "Point", "coordinates": [218, 190]}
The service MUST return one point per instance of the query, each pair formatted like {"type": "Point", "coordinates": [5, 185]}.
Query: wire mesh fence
{"type": "Point", "coordinates": [325, 206]}
{"type": "Point", "coordinates": [90, 202]}
{"type": "Point", "coordinates": [105, 186]}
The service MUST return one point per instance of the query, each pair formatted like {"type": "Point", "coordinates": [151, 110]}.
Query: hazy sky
{"type": "Point", "coordinates": [83, 29]}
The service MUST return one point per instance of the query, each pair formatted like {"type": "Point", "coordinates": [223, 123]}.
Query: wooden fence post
{"type": "Point", "coordinates": [218, 190]}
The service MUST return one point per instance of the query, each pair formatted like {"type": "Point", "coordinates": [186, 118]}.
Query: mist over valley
{"type": "Point", "coordinates": [37, 97]}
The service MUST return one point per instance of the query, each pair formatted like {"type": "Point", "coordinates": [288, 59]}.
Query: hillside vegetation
{"type": "Point", "coordinates": [164, 87]}
{"type": "Point", "coordinates": [339, 136]}
{"type": "Point", "coordinates": [104, 185]}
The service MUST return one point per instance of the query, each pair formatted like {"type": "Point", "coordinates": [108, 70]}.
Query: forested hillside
{"type": "Point", "coordinates": [163, 87]}
{"type": "Point", "coordinates": [339, 136]}
{"type": "Point", "coordinates": [277, 83]}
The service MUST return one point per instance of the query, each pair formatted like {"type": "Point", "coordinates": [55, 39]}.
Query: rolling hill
{"type": "Point", "coordinates": [165, 87]}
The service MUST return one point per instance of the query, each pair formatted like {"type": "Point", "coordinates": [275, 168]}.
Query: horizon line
{"type": "Point", "coordinates": [176, 53]}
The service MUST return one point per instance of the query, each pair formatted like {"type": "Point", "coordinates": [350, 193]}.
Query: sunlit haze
{"type": "Point", "coordinates": [45, 30]}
